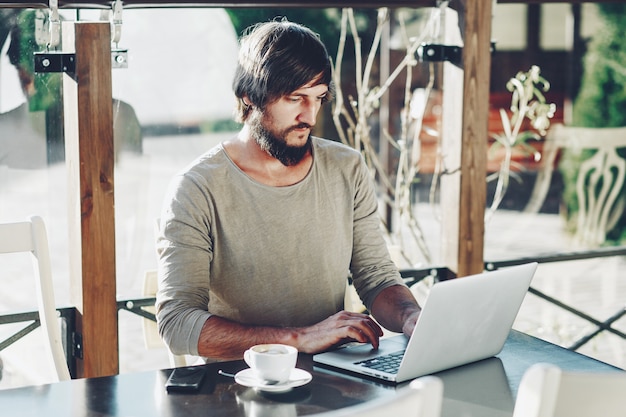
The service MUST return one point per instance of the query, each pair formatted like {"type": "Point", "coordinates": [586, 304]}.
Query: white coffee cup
{"type": "Point", "coordinates": [271, 362]}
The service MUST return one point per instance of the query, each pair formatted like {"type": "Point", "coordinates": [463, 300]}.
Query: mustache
{"type": "Point", "coordinates": [300, 126]}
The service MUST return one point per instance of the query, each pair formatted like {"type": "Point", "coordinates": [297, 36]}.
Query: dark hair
{"type": "Point", "coordinates": [275, 59]}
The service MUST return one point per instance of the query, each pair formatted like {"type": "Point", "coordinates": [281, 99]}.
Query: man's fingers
{"type": "Point", "coordinates": [367, 320]}
{"type": "Point", "coordinates": [340, 328]}
{"type": "Point", "coordinates": [363, 329]}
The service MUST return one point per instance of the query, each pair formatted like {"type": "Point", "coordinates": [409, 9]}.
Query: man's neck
{"type": "Point", "coordinates": [245, 152]}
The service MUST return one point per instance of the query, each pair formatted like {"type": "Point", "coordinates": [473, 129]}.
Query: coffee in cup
{"type": "Point", "coordinates": [271, 362]}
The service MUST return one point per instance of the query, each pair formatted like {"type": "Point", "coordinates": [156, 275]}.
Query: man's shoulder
{"type": "Point", "coordinates": [337, 149]}
{"type": "Point", "coordinates": [211, 159]}
{"type": "Point", "coordinates": [338, 159]}
{"type": "Point", "coordinates": [206, 168]}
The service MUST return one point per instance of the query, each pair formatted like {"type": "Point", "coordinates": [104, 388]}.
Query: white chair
{"type": "Point", "coordinates": [548, 391]}
{"type": "Point", "coordinates": [30, 236]}
{"type": "Point", "coordinates": [150, 332]}
{"type": "Point", "coordinates": [598, 182]}
{"type": "Point", "coordinates": [423, 397]}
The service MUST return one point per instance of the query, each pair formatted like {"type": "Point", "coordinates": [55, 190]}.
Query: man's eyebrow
{"type": "Point", "coordinates": [302, 94]}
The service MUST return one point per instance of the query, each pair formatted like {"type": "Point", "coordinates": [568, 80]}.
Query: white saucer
{"type": "Point", "coordinates": [297, 378]}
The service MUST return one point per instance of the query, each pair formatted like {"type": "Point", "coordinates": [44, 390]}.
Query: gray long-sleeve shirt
{"type": "Point", "coordinates": [264, 255]}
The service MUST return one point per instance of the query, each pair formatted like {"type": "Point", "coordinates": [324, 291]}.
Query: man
{"type": "Point", "coordinates": [259, 235]}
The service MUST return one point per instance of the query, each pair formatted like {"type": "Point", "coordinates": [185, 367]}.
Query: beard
{"type": "Point", "coordinates": [275, 143]}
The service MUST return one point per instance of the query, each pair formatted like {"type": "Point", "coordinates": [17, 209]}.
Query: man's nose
{"type": "Point", "coordinates": [308, 114]}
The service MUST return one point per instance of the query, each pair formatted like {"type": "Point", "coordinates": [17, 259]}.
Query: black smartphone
{"type": "Point", "coordinates": [188, 379]}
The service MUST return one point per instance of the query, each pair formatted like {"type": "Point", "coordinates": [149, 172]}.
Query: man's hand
{"type": "Point", "coordinates": [337, 329]}
{"type": "Point", "coordinates": [409, 324]}
{"type": "Point", "coordinates": [225, 340]}
{"type": "Point", "coordinates": [396, 309]}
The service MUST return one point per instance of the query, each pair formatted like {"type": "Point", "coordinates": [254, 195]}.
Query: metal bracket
{"type": "Point", "coordinates": [119, 58]}
{"type": "Point", "coordinates": [48, 34]}
{"type": "Point", "coordinates": [46, 62]}
{"type": "Point", "coordinates": [116, 32]}
{"type": "Point", "coordinates": [77, 345]}
{"type": "Point", "coordinates": [439, 53]}
{"type": "Point", "coordinates": [55, 62]}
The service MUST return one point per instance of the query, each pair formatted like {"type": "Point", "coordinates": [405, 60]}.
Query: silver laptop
{"type": "Point", "coordinates": [463, 320]}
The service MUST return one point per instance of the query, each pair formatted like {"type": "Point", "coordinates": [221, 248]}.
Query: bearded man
{"type": "Point", "coordinates": [259, 235]}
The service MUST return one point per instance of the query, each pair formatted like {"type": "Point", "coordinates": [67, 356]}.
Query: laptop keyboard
{"type": "Point", "coordinates": [386, 363]}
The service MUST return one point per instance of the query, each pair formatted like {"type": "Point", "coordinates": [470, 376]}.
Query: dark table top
{"type": "Point", "coordinates": [486, 388]}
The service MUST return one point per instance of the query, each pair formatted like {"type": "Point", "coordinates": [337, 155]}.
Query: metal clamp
{"type": "Point", "coordinates": [119, 56]}
{"type": "Point", "coordinates": [77, 345]}
{"type": "Point", "coordinates": [440, 53]}
{"type": "Point", "coordinates": [46, 62]}
{"type": "Point", "coordinates": [48, 34]}
{"type": "Point", "coordinates": [55, 62]}
{"type": "Point", "coordinates": [116, 35]}
{"type": "Point", "coordinates": [48, 28]}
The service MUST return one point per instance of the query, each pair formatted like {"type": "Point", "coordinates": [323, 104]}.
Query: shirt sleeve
{"type": "Point", "coordinates": [371, 265]}
{"type": "Point", "coordinates": [184, 252]}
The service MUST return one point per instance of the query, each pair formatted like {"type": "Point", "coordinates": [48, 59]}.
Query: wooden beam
{"type": "Point", "coordinates": [228, 4]}
{"type": "Point", "coordinates": [261, 3]}
{"type": "Point", "coordinates": [557, 1]}
{"type": "Point", "coordinates": [88, 106]}
{"type": "Point", "coordinates": [477, 66]}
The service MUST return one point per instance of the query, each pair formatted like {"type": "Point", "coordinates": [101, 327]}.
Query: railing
{"type": "Point", "coordinates": [600, 326]}
{"type": "Point", "coordinates": [72, 346]}
{"type": "Point", "coordinates": [411, 276]}
{"type": "Point", "coordinates": [72, 341]}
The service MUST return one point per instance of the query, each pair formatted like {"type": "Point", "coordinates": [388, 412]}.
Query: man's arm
{"type": "Point", "coordinates": [396, 309]}
{"type": "Point", "coordinates": [224, 339]}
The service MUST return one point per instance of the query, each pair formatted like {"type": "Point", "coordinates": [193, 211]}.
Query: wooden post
{"type": "Point", "coordinates": [88, 109]}
{"type": "Point", "coordinates": [463, 186]}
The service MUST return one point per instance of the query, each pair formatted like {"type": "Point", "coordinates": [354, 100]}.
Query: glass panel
{"type": "Point", "coordinates": [170, 105]}
{"type": "Point", "coordinates": [31, 149]}
{"type": "Point", "coordinates": [32, 182]}
{"type": "Point", "coordinates": [173, 103]}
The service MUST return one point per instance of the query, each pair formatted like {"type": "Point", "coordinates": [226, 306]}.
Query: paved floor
{"type": "Point", "coordinates": [596, 286]}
